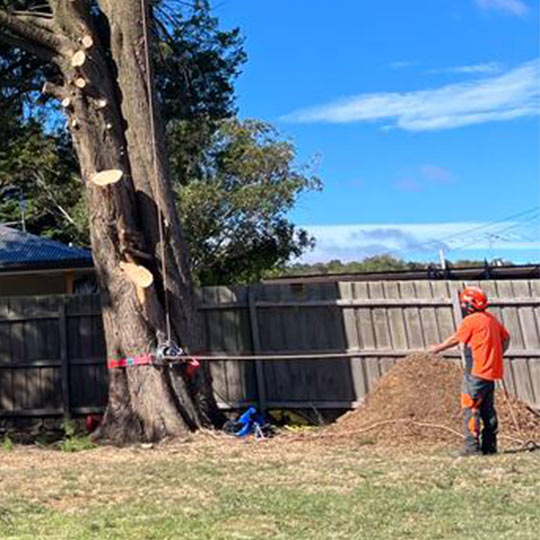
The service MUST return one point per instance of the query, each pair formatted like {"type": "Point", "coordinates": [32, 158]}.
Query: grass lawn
{"type": "Point", "coordinates": [224, 488]}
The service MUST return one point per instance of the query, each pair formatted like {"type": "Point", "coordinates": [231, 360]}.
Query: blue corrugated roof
{"type": "Point", "coordinates": [20, 249]}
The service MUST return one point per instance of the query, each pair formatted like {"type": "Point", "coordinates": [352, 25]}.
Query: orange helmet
{"type": "Point", "coordinates": [474, 298]}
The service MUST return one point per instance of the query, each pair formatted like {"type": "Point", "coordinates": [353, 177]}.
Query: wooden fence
{"type": "Point", "coordinates": [52, 356]}
{"type": "Point", "coordinates": [358, 330]}
{"type": "Point", "coordinates": [341, 336]}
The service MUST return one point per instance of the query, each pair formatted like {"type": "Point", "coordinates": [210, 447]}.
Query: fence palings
{"type": "Point", "coordinates": [320, 345]}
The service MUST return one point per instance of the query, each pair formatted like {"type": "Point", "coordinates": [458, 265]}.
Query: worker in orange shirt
{"type": "Point", "coordinates": [484, 340]}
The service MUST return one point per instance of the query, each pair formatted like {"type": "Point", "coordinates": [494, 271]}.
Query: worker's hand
{"type": "Point", "coordinates": [434, 349]}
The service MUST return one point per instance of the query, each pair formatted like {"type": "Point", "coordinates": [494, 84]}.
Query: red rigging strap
{"type": "Point", "coordinates": [191, 363]}
{"type": "Point", "coordinates": [140, 360]}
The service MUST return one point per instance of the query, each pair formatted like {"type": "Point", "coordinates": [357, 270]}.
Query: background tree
{"type": "Point", "coordinates": [377, 263]}
{"type": "Point", "coordinates": [235, 208]}
{"type": "Point", "coordinates": [38, 167]}
{"type": "Point", "coordinates": [95, 57]}
{"type": "Point", "coordinates": [41, 170]}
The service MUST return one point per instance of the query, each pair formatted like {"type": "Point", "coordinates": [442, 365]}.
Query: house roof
{"type": "Point", "coordinates": [20, 250]}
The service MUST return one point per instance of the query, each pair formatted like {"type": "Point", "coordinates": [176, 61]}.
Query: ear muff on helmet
{"type": "Point", "coordinates": [474, 299]}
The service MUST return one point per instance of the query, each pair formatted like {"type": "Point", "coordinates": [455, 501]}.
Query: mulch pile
{"type": "Point", "coordinates": [418, 402]}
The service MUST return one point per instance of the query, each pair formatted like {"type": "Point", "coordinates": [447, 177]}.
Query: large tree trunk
{"type": "Point", "coordinates": [110, 111]}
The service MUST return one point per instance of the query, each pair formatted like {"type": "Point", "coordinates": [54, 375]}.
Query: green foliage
{"type": "Point", "coordinates": [196, 66]}
{"type": "Point", "coordinates": [73, 440]}
{"type": "Point", "coordinates": [378, 263]}
{"type": "Point", "coordinates": [41, 168]}
{"type": "Point", "coordinates": [7, 444]}
{"type": "Point", "coordinates": [235, 211]}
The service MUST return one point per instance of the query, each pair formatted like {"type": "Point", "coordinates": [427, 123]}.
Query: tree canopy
{"type": "Point", "coordinates": [235, 208]}
{"type": "Point", "coordinates": [377, 263]}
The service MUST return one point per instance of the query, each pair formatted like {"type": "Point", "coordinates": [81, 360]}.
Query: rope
{"type": "Point", "coordinates": [384, 423]}
{"type": "Point", "coordinates": [154, 164]}
{"type": "Point", "coordinates": [524, 444]}
{"type": "Point", "coordinates": [511, 407]}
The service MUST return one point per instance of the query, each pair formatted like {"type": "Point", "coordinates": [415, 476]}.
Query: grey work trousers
{"type": "Point", "coordinates": [478, 402]}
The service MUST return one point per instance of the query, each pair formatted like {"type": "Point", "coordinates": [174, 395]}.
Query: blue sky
{"type": "Point", "coordinates": [424, 115]}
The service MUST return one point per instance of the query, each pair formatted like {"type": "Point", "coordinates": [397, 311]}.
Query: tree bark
{"type": "Point", "coordinates": [109, 118]}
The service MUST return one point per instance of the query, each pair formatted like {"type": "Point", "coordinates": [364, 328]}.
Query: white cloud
{"type": "Point", "coordinates": [355, 242]}
{"type": "Point", "coordinates": [514, 7]}
{"type": "Point", "coordinates": [474, 69]}
{"type": "Point", "coordinates": [511, 95]}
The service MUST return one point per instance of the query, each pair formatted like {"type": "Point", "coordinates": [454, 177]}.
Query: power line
{"type": "Point", "coordinates": [435, 243]}
{"type": "Point", "coordinates": [496, 234]}
{"type": "Point", "coordinates": [490, 224]}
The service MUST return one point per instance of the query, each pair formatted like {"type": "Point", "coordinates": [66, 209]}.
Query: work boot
{"type": "Point", "coordinates": [489, 444]}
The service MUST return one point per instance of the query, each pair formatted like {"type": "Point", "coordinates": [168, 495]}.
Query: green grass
{"type": "Point", "coordinates": [228, 489]}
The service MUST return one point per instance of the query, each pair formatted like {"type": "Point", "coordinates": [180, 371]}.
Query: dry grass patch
{"type": "Point", "coordinates": [216, 487]}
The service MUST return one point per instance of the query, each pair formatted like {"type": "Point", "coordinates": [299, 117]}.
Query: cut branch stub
{"type": "Point", "coordinates": [80, 82]}
{"type": "Point", "coordinates": [105, 178]}
{"type": "Point", "coordinates": [78, 59]}
{"type": "Point", "coordinates": [139, 275]}
{"type": "Point", "coordinates": [87, 42]}
{"type": "Point", "coordinates": [101, 103]}
{"type": "Point", "coordinates": [66, 102]}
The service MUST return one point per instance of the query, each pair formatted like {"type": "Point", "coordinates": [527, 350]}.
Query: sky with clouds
{"type": "Point", "coordinates": [424, 117]}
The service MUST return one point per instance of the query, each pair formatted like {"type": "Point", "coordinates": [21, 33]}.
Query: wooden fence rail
{"type": "Point", "coordinates": [320, 345]}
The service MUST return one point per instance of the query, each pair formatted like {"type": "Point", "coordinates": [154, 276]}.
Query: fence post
{"type": "Point", "coordinates": [64, 358]}
{"type": "Point", "coordinates": [259, 369]}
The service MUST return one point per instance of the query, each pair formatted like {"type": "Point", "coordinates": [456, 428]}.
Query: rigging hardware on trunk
{"type": "Point", "coordinates": [167, 351]}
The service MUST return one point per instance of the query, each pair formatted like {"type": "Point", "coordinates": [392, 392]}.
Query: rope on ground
{"type": "Point", "coordinates": [380, 424]}
{"type": "Point", "coordinates": [524, 444]}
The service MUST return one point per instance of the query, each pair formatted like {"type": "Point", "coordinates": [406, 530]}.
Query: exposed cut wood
{"type": "Point", "coordinates": [139, 275]}
{"type": "Point", "coordinates": [141, 295]}
{"type": "Point", "coordinates": [87, 42]}
{"type": "Point", "coordinates": [80, 82]}
{"type": "Point", "coordinates": [104, 178]}
{"type": "Point", "coordinates": [101, 103]}
{"type": "Point", "coordinates": [78, 59]}
{"type": "Point", "coordinates": [66, 102]}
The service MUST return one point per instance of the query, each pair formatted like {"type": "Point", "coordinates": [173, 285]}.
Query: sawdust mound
{"type": "Point", "coordinates": [418, 402]}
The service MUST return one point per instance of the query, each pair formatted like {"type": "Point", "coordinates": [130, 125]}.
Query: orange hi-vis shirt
{"type": "Point", "coordinates": [485, 335]}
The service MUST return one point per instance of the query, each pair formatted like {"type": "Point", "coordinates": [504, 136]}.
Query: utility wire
{"type": "Point", "coordinates": [496, 233]}
{"type": "Point", "coordinates": [490, 224]}
{"type": "Point", "coordinates": [432, 244]}
{"type": "Point", "coordinates": [513, 226]}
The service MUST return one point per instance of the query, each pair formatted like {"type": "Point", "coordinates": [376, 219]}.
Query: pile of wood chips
{"type": "Point", "coordinates": [418, 402]}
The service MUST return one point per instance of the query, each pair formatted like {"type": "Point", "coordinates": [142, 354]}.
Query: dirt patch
{"type": "Point", "coordinates": [418, 402]}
